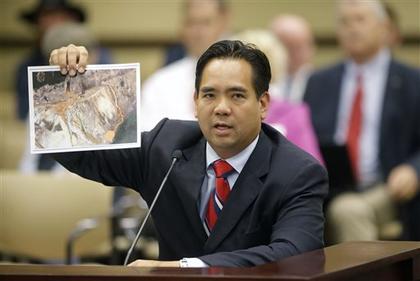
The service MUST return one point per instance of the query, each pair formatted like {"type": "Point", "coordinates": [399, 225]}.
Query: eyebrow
{"type": "Point", "coordinates": [237, 89]}
{"type": "Point", "coordinates": [207, 89]}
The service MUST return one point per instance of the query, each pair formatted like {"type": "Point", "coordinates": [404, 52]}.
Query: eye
{"type": "Point", "coordinates": [207, 95]}
{"type": "Point", "coordinates": [238, 96]}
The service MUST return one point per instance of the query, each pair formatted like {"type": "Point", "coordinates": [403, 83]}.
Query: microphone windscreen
{"type": "Point", "coordinates": [177, 154]}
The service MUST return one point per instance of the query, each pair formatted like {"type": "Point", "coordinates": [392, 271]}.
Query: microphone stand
{"type": "Point", "coordinates": [175, 156]}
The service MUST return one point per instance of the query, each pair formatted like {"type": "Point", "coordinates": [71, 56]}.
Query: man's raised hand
{"type": "Point", "coordinates": [71, 59]}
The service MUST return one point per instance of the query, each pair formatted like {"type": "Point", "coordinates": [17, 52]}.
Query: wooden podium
{"type": "Point", "coordinates": [348, 261]}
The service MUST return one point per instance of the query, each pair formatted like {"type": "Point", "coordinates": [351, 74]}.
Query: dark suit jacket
{"type": "Point", "coordinates": [273, 211]}
{"type": "Point", "coordinates": [399, 136]}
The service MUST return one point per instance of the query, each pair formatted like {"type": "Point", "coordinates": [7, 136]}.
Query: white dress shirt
{"type": "Point", "coordinates": [292, 88]}
{"type": "Point", "coordinates": [237, 162]}
{"type": "Point", "coordinates": [169, 92]}
{"type": "Point", "coordinates": [374, 77]}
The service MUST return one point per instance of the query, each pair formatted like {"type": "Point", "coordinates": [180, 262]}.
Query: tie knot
{"type": "Point", "coordinates": [222, 168]}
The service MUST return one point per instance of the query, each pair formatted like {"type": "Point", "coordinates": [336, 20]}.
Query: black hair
{"type": "Point", "coordinates": [234, 49]}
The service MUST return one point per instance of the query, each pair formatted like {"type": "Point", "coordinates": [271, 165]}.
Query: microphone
{"type": "Point", "coordinates": [176, 155]}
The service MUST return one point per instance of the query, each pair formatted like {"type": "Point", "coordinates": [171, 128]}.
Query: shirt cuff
{"type": "Point", "coordinates": [192, 262]}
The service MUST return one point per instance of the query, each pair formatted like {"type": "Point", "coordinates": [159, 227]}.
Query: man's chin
{"type": "Point", "coordinates": [221, 144]}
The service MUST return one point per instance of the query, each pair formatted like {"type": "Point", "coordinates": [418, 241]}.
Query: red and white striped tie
{"type": "Point", "coordinates": [220, 194]}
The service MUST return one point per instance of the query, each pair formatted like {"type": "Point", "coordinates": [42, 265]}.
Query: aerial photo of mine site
{"type": "Point", "coordinates": [95, 108]}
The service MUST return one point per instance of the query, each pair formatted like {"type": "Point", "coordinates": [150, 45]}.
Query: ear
{"type": "Point", "coordinates": [264, 101]}
{"type": "Point", "coordinates": [195, 103]}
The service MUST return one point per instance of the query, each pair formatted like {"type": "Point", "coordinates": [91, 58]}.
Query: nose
{"type": "Point", "coordinates": [222, 106]}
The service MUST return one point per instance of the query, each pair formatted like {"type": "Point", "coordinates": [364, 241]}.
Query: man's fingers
{"type": "Point", "coordinates": [154, 263]}
{"type": "Point", "coordinates": [134, 263]}
{"type": "Point", "coordinates": [395, 188]}
{"type": "Point", "coordinates": [62, 60]}
{"type": "Point", "coordinates": [72, 58]}
{"type": "Point", "coordinates": [83, 58]}
{"type": "Point", "coordinates": [402, 188]}
{"type": "Point", "coordinates": [54, 57]}
{"type": "Point", "coordinates": [140, 263]}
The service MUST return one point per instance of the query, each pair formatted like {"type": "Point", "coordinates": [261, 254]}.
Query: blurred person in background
{"type": "Point", "coordinates": [44, 17]}
{"type": "Point", "coordinates": [291, 119]}
{"type": "Point", "coordinates": [370, 103]}
{"type": "Point", "coordinates": [191, 35]}
{"type": "Point", "coordinates": [169, 91]}
{"type": "Point", "coordinates": [295, 33]}
{"type": "Point", "coordinates": [55, 37]}
{"type": "Point", "coordinates": [46, 14]}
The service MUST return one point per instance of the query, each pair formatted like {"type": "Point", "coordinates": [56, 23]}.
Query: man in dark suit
{"type": "Point", "coordinates": [370, 103]}
{"type": "Point", "coordinates": [240, 194]}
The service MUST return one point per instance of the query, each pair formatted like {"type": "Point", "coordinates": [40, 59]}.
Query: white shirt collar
{"type": "Point", "coordinates": [238, 161]}
{"type": "Point", "coordinates": [377, 63]}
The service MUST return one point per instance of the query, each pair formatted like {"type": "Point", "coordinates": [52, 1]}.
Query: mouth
{"type": "Point", "coordinates": [222, 128]}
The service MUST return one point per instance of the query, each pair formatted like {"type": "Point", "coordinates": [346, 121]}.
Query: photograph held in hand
{"type": "Point", "coordinates": [84, 112]}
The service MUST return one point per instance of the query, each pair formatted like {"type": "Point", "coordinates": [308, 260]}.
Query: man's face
{"type": "Point", "coordinates": [296, 36]}
{"type": "Point", "coordinates": [227, 107]}
{"type": "Point", "coordinates": [360, 30]}
{"type": "Point", "coordinates": [300, 50]}
{"type": "Point", "coordinates": [204, 24]}
{"type": "Point", "coordinates": [50, 18]}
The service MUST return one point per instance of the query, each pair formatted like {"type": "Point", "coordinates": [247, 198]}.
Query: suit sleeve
{"type": "Point", "coordinates": [298, 227]}
{"type": "Point", "coordinates": [110, 167]}
{"type": "Point", "coordinates": [415, 159]}
{"type": "Point", "coordinates": [120, 167]}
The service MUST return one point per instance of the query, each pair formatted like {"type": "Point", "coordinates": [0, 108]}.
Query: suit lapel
{"type": "Point", "coordinates": [244, 192]}
{"type": "Point", "coordinates": [334, 100]}
{"type": "Point", "coordinates": [188, 178]}
{"type": "Point", "coordinates": [390, 108]}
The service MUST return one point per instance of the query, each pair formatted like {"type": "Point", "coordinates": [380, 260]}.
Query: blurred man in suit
{"type": "Point", "coordinates": [240, 193]}
{"type": "Point", "coordinates": [370, 102]}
